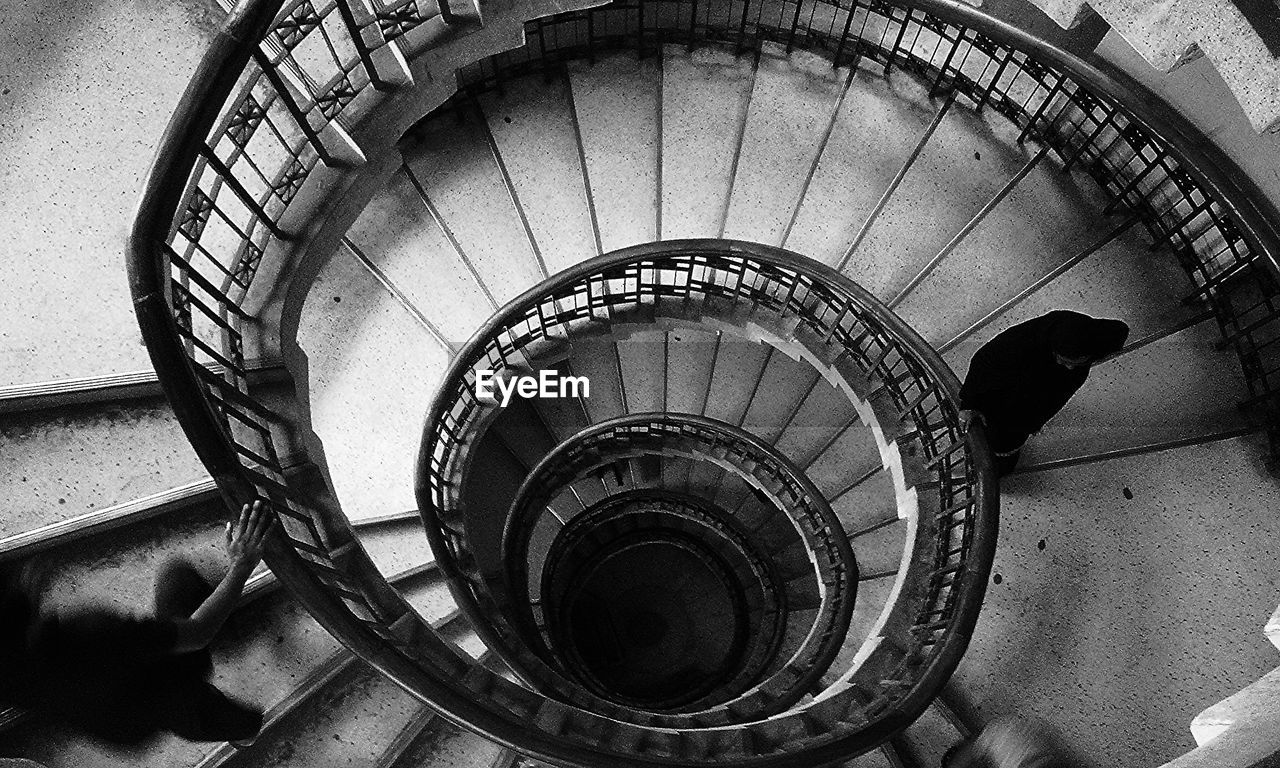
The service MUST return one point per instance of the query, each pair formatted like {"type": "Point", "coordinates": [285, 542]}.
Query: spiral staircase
{"type": "Point", "coordinates": [766, 235]}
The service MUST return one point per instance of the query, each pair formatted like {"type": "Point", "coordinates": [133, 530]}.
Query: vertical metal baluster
{"type": "Point", "coordinates": [238, 188]}
{"type": "Point", "coordinates": [446, 13]}
{"type": "Point", "coordinates": [844, 36]}
{"type": "Point", "coordinates": [897, 41]}
{"type": "Point", "coordinates": [1088, 142]}
{"type": "Point", "coordinates": [292, 106]}
{"type": "Point", "coordinates": [356, 33]}
{"type": "Point", "coordinates": [795, 22]}
{"type": "Point", "coordinates": [742, 29]}
{"type": "Point", "coordinates": [693, 22]}
{"type": "Point", "coordinates": [942, 73]}
{"type": "Point", "coordinates": [1039, 113]}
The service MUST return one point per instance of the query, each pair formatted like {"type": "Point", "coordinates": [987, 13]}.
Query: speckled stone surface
{"type": "Point", "coordinates": [533, 128]}
{"type": "Point", "coordinates": [396, 546]}
{"type": "Point", "coordinates": [690, 356]}
{"type": "Point", "coordinates": [455, 164]}
{"type": "Point", "coordinates": [967, 160]}
{"type": "Point", "coordinates": [852, 455]}
{"type": "Point", "coordinates": [738, 366]}
{"type": "Point", "coordinates": [619, 128]}
{"type": "Point", "coordinates": [349, 724]}
{"type": "Point", "coordinates": [1105, 284]}
{"type": "Point", "coordinates": [1129, 597]}
{"type": "Point", "coordinates": [1048, 218]}
{"type": "Point", "coordinates": [1134, 400]}
{"type": "Point", "coordinates": [1163, 31]}
{"type": "Point", "coordinates": [371, 373]}
{"type": "Point", "coordinates": [820, 417]}
{"type": "Point", "coordinates": [705, 96]}
{"type": "Point", "coordinates": [929, 737]}
{"type": "Point", "coordinates": [397, 233]}
{"type": "Point", "coordinates": [643, 361]}
{"type": "Point", "coordinates": [82, 107]}
{"type": "Point", "coordinates": [879, 124]}
{"type": "Point", "coordinates": [446, 746]}
{"type": "Point", "coordinates": [54, 467]}
{"type": "Point", "coordinates": [792, 105]}
{"type": "Point", "coordinates": [784, 386]}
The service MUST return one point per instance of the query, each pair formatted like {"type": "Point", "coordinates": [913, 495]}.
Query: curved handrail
{"type": "Point", "coordinates": [824, 301]}
{"type": "Point", "coordinates": [316, 558]}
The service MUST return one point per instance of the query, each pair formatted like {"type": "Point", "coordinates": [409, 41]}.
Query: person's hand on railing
{"type": "Point", "coordinates": [968, 417]}
{"type": "Point", "coordinates": [246, 536]}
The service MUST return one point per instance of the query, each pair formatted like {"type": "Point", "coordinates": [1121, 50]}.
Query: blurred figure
{"type": "Point", "coordinates": [1027, 373]}
{"type": "Point", "coordinates": [1009, 743]}
{"type": "Point", "coordinates": [125, 678]}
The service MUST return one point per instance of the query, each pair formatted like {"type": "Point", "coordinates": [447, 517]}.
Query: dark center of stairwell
{"type": "Point", "coordinates": [655, 621]}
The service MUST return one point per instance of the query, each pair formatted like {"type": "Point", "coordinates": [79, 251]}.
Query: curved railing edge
{"type": "Point", "coordinates": [197, 111]}
{"type": "Point", "coordinates": [1192, 148]}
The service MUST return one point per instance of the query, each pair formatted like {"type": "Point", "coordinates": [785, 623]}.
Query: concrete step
{"type": "Point", "coordinates": [533, 128]}
{"type": "Point", "coordinates": [1113, 582]}
{"type": "Point", "coordinates": [57, 465]}
{"type": "Point", "coordinates": [1046, 220]}
{"type": "Point", "coordinates": [443, 745]}
{"type": "Point", "coordinates": [967, 160]}
{"type": "Point", "coordinates": [397, 233]}
{"type": "Point", "coordinates": [705, 96]}
{"type": "Point", "coordinates": [793, 103]}
{"type": "Point", "coordinates": [642, 359]}
{"type": "Point", "coordinates": [691, 357]}
{"type": "Point", "coordinates": [356, 408]}
{"type": "Point", "coordinates": [597, 360]}
{"type": "Point", "coordinates": [819, 420]}
{"type": "Point", "coordinates": [784, 386]}
{"type": "Point", "coordinates": [733, 382]}
{"type": "Point", "coordinates": [1132, 397]}
{"type": "Point", "coordinates": [851, 456]}
{"type": "Point", "coordinates": [452, 158]}
{"type": "Point", "coordinates": [1100, 285]}
{"type": "Point", "coordinates": [877, 128]}
{"type": "Point", "coordinates": [869, 503]}
{"type": "Point", "coordinates": [83, 323]}
{"type": "Point", "coordinates": [881, 550]}
{"type": "Point", "coordinates": [615, 101]}
{"type": "Point", "coordinates": [396, 544]}
{"type": "Point", "coordinates": [925, 741]}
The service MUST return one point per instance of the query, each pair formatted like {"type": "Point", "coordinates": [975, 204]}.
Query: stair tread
{"type": "Point", "coordinates": [396, 232]}
{"type": "Point", "coordinates": [620, 139]}
{"type": "Point", "coordinates": [792, 102]}
{"type": "Point", "coordinates": [876, 129]}
{"type": "Point", "coordinates": [454, 162]}
{"type": "Point", "coordinates": [966, 161]}
{"type": "Point", "coordinates": [532, 126]}
{"type": "Point", "coordinates": [355, 409]}
{"type": "Point", "coordinates": [705, 94]}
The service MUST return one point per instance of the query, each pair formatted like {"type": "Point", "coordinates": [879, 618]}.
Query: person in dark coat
{"type": "Point", "coordinates": [1027, 373]}
{"type": "Point", "coordinates": [125, 678]}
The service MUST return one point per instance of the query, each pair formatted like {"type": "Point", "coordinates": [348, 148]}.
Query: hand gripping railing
{"type": "Point", "coordinates": [224, 188]}
{"type": "Point", "coordinates": [786, 488]}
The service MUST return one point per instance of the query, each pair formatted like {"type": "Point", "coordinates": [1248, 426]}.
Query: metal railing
{"type": "Point", "coordinates": [788, 492]}
{"type": "Point", "coordinates": [265, 110]}
{"type": "Point", "coordinates": [766, 599]}
{"type": "Point", "coordinates": [728, 278]}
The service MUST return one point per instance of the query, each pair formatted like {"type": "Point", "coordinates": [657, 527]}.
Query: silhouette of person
{"type": "Point", "coordinates": [124, 678]}
{"type": "Point", "coordinates": [1027, 373]}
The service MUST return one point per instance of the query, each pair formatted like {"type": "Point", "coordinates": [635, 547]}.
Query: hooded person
{"type": "Point", "coordinates": [1027, 373]}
